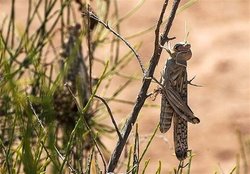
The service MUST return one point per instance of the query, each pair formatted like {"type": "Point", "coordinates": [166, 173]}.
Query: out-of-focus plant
{"type": "Point", "coordinates": [49, 115]}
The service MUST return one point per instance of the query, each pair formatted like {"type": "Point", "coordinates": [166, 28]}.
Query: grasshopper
{"type": "Point", "coordinates": [174, 98]}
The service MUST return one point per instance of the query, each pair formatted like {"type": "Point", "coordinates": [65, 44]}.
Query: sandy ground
{"type": "Point", "coordinates": [220, 38]}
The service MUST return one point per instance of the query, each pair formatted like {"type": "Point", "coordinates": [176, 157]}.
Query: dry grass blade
{"type": "Point", "coordinates": [149, 142]}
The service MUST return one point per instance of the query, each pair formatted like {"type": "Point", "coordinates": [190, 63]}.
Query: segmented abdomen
{"type": "Point", "coordinates": [180, 137]}
{"type": "Point", "coordinates": [180, 125]}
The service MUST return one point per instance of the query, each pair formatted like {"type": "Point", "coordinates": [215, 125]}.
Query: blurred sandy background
{"type": "Point", "coordinates": [220, 38]}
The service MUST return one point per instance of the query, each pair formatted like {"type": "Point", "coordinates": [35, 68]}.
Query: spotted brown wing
{"type": "Point", "coordinates": [166, 115]}
{"type": "Point", "coordinates": [167, 111]}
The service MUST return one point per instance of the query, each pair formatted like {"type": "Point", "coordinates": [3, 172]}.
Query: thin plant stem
{"type": "Point", "coordinates": [111, 115]}
{"type": "Point", "coordinates": [106, 25]}
{"type": "Point", "coordinates": [142, 96]}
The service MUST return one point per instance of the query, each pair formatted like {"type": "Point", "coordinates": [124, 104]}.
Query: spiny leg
{"type": "Point", "coordinates": [166, 115]}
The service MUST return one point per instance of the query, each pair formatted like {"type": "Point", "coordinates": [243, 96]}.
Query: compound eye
{"type": "Point", "coordinates": [177, 46]}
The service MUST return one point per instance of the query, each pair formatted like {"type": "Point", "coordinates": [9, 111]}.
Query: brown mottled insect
{"type": "Point", "coordinates": [174, 98]}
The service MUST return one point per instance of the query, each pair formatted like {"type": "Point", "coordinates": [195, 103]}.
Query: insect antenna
{"type": "Point", "coordinates": [186, 33]}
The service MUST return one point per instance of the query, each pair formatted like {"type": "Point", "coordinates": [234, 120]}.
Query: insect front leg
{"type": "Point", "coordinates": [156, 91]}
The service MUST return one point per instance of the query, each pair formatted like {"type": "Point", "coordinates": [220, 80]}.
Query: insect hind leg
{"type": "Point", "coordinates": [166, 115]}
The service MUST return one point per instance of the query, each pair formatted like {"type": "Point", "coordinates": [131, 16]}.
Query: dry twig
{"type": "Point", "coordinates": [106, 25]}
{"type": "Point", "coordinates": [111, 115]}
{"type": "Point", "coordinates": [142, 96]}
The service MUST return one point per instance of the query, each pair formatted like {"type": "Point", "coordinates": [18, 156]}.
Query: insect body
{"type": "Point", "coordinates": [174, 98]}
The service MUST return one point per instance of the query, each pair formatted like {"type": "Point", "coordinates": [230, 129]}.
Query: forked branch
{"type": "Point", "coordinates": [142, 96]}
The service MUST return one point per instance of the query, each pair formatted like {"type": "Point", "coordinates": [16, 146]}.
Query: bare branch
{"type": "Point", "coordinates": [146, 83]}
{"type": "Point", "coordinates": [111, 116]}
{"type": "Point", "coordinates": [158, 26]}
{"type": "Point", "coordinates": [106, 25]}
{"type": "Point", "coordinates": [164, 36]}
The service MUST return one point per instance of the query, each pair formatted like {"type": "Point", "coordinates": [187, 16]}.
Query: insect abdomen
{"type": "Point", "coordinates": [180, 137]}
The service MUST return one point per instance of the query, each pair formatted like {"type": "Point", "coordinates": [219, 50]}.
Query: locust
{"type": "Point", "coordinates": [174, 101]}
